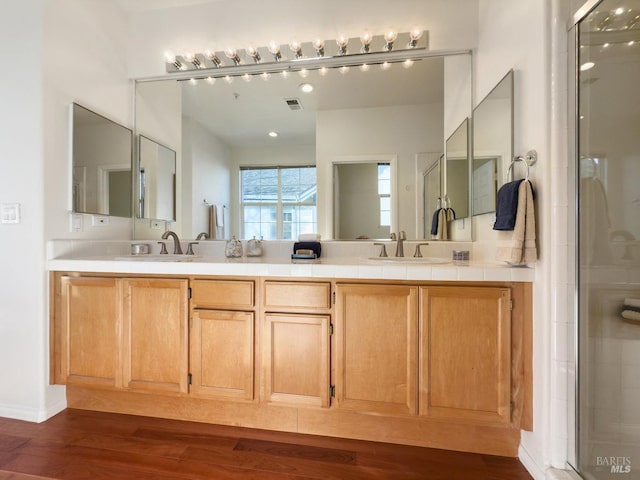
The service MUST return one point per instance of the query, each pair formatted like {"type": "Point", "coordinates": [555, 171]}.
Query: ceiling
{"type": "Point", "coordinates": [242, 113]}
{"type": "Point", "coordinates": [133, 6]}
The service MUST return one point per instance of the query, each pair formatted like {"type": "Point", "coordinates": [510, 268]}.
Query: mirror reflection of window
{"type": "Point", "coordinates": [278, 202]}
{"type": "Point", "coordinates": [384, 192]}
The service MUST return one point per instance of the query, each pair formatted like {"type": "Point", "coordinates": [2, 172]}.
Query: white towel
{"type": "Point", "coordinates": [220, 215]}
{"type": "Point", "coordinates": [518, 247]}
{"type": "Point", "coordinates": [631, 315]}
{"type": "Point", "coordinates": [309, 237]}
{"type": "Point", "coordinates": [632, 302]}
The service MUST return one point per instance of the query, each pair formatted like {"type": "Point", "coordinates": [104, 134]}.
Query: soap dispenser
{"type": "Point", "coordinates": [254, 247]}
{"type": "Point", "coordinates": [233, 248]}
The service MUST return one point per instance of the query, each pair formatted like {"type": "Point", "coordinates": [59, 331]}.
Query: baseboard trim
{"type": "Point", "coordinates": [530, 464]}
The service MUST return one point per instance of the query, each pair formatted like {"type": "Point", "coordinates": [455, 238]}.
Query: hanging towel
{"type": "Point", "coordinates": [507, 206]}
{"type": "Point", "coordinates": [220, 215]}
{"type": "Point", "coordinates": [451, 214]}
{"type": "Point", "coordinates": [443, 231]}
{"type": "Point", "coordinates": [594, 222]}
{"type": "Point", "coordinates": [519, 247]}
{"type": "Point", "coordinates": [434, 222]}
{"type": "Point", "coordinates": [631, 310]}
{"type": "Point", "coordinates": [213, 222]}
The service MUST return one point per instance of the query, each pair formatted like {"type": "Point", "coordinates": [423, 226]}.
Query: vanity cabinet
{"type": "Point", "coordinates": [297, 325]}
{"type": "Point", "coordinates": [465, 353]}
{"type": "Point", "coordinates": [377, 348]}
{"type": "Point", "coordinates": [123, 333]}
{"type": "Point", "coordinates": [222, 339]}
{"type": "Point", "coordinates": [90, 327]}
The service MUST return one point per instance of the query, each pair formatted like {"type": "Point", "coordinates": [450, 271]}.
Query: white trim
{"type": "Point", "coordinates": [530, 464]}
{"type": "Point", "coordinates": [103, 184]}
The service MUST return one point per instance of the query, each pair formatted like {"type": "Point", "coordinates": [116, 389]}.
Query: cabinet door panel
{"type": "Point", "coordinates": [297, 359]}
{"type": "Point", "coordinates": [222, 360]}
{"type": "Point", "coordinates": [466, 353]}
{"type": "Point", "coordinates": [91, 328]}
{"type": "Point", "coordinates": [155, 335]}
{"type": "Point", "coordinates": [377, 344]}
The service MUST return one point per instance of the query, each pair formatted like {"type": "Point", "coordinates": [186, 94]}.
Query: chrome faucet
{"type": "Point", "coordinates": [401, 237]}
{"type": "Point", "coordinates": [177, 249]}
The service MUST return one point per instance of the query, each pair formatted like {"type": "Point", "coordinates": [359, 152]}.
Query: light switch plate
{"type": "Point", "coordinates": [76, 222]}
{"type": "Point", "coordinates": [10, 212]}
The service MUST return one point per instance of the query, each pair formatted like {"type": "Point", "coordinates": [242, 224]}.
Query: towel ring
{"type": "Point", "coordinates": [529, 159]}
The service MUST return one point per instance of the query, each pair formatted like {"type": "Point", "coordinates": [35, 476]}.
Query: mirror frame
{"type": "Point", "coordinates": [501, 162]}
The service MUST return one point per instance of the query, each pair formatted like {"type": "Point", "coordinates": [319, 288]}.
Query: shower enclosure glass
{"type": "Point", "coordinates": [608, 227]}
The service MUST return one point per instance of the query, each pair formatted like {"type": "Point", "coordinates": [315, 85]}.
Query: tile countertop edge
{"type": "Point", "coordinates": [356, 269]}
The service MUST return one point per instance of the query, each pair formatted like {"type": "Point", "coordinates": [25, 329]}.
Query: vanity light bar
{"type": "Point", "coordinates": [275, 53]}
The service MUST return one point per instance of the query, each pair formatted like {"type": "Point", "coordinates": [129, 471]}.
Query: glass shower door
{"type": "Point", "coordinates": [608, 171]}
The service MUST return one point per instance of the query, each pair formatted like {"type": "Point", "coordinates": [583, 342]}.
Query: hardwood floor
{"type": "Point", "coordinates": [78, 444]}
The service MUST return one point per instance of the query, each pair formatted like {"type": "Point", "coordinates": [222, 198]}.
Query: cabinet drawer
{"type": "Point", "coordinates": [297, 295]}
{"type": "Point", "coordinates": [222, 293]}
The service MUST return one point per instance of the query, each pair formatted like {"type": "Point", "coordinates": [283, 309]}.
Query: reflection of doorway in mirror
{"type": "Point", "coordinates": [429, 164]}
{"type": "Point", "coordinates": [114, 185]}
{"type": "Point", "coordinates": [484, 184]}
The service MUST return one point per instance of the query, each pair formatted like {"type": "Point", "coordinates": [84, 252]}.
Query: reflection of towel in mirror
{"type": "Point", "coordinates": [434, 222]}
{"type": "Point", "coordinates": [594, 222]}
{"type": "Point", "coordinates": [443, 230]}
{"type": "Point", "coordinates": [519, 247]}
{"type": "Point", "coordinates": [631, 310]}
{"type": "Point", "coordinates": [507, 206]}
{"type": "Point", "coordinates": [213, 222]}
{"type": "Point", "coordinates": [451, 214]}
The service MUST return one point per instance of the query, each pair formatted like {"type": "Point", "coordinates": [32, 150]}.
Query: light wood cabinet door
{"type": "Point", "coordinates": [221, 354]}
{"type": "Point", "coordinates": [466, 353]}
{"type": "Point", "coordinates": [90, 331]}
{"type": "Point", "coordinates": [376, 333]}
{"type": "Point", "coordinates": [297, 359]}
{"type": "Point", "coordinates": [155, 335]}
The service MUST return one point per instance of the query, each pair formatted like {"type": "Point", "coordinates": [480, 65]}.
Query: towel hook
{"type": "Point", "coordinates": [529, 159]}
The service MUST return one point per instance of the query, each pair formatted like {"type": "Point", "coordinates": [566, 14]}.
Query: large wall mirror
{"type": "Point", "coordinates": [366, 115]}
{"type": "Point", "coordinates": [492, 144]}
{"type": "Point", "coordinates": [457, 171]}
{"type": "Point", "coordinates": [101, 164]}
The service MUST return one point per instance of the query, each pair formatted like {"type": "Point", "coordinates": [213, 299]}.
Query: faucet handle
{"type": "Point", "coordinates": [383, 250]}
{"type": "Point", "coordinates": [402, 235]}
{"type": "Point", "coordinates": [418, 253]}
{"type": "Point", "coordinates": [163, 248]}
{"type": "Point", "coordinates": [190, 248]}
{"type": "Point", "coordinates": [393, 236]}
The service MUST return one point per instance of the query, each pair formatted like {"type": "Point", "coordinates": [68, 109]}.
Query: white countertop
{"type": "Point", "coordinates": [356, 268]}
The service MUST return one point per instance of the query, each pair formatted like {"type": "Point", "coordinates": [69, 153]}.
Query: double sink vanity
{"type": "Point", "coordinates": [427, 354]}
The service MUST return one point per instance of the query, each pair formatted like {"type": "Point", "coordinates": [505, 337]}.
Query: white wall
{"type": "Point", "coordinates": [401, 130]}
{"type": "Point", "coordinates": [209, 162]}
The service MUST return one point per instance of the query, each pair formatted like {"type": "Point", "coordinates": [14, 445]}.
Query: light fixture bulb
{"type": "Point", "coordinates": [385, 66]}
{"type": "Point", "coordinates": [213, 58]}
{"type": "Point", "coordinates": [587, 66]}
{"type": "Point", "coordinates": [273, 134]}
{"type": "Point", "coordinates": [323, 71]}
{"type": "Point", "coordinates": [365, 67]}
{"type": "Point", "coordinates": [232, 55]}
{"type": "Point", "coordinates": [306, 87]}
{"type": "Point", "coordinates": [632, 42]}
{"type": "Point", "coordinates": [228, 79]}
{"type": "Point", "coordinates": [389, 37]}
{"type": "Point", "coordinates": [304, 73]}
{"type": "Point", "coordinates": [344, 69]}
{"type": "Point", "coordinates": [606, 45]}
{"type": "Point", "coordinates": [274, 49]}
{"type": "Point", "coordinates": [366, 42]}
{"type": "Point", "coordinates": [619, 11]}
{"type": "Point", "coordinates": [296, 48]}
{"type": "Point", "coordinates": [414, 35]}
{"type": "Point", "coordinates": [246, 77]}
{"type": "Point", "coordinates": [253, 53]}
{"type": "Point", "coordinates": [189, 56]}
{"type": "Point", "coordinates": [169, 57]}
{"type": "Point", "coordinates": [342, 43]}
{"type": "Point", "coordinates": [284, 73]}
{"type": "Point", "coordinates": [265, 76]}
{"type": "Point", "coordinates": [318, 44]}
{"type": "Point", "coordinates": [211, 80]}
{"type": "Point", "coordinates": [408, 63]}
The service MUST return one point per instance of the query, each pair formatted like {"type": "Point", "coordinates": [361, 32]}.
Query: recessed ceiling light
{"type": "Point", "coordinates": [586, 66]}
{"type": "Point", "coordinates": [619, 11]}
{"type": "Point", "coordinates": [306, 87]}
{"type": "Point", "coordinates": [273, 134]}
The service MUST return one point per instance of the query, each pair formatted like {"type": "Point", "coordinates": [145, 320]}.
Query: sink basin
{"type": "Point", "coordinates": [429, 260]}
{"type": "Point", "coordinates": [157, 258]}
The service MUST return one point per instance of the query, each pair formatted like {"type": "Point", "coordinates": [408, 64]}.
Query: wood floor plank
{"type": "Point", "coordinates": [83, 445]}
